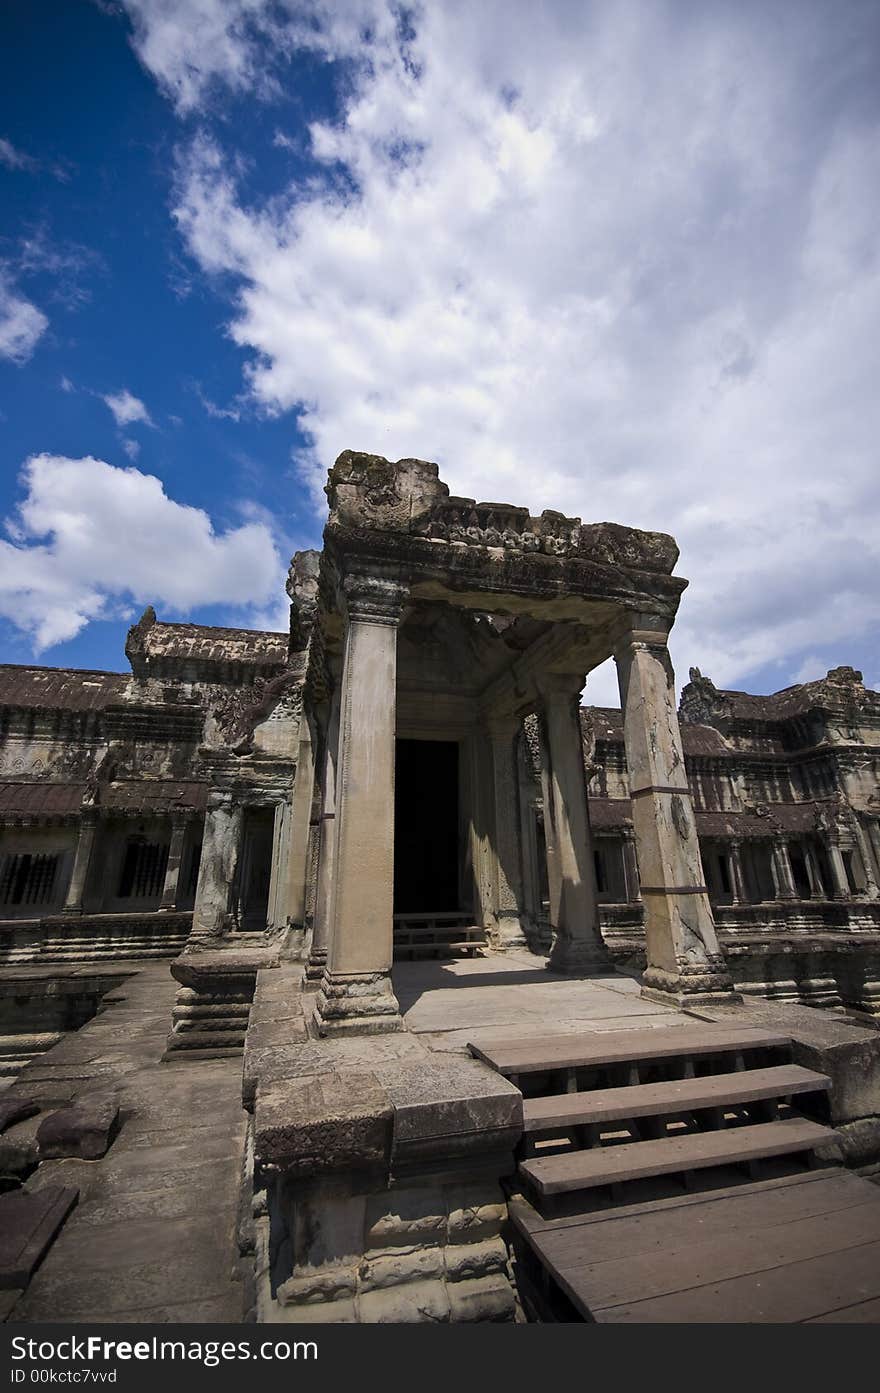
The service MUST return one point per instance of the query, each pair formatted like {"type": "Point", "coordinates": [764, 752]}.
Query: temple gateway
{"type": "Point", "coordinates": [395, 861]}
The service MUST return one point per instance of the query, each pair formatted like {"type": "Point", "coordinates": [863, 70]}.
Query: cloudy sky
{"type": "Point", "coordinates": [619, 258]}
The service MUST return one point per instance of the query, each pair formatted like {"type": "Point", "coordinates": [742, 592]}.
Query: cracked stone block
{"type": "Point", "coordinates": [484, 1299]}
{"type": "Point", "coordinates": [18, 1147]}
{"type": "Point", "coordinates": [410, 1303]}
{"type": "Point", "coordinates": [84, 1130]}
{"type": "Point", "coordinates": [15, 1109]}
{"type": "Point", "coordinates": [320, 1124]}
{"type": "Point", "coordinates": [28, 1225]}
{"type": "Point", "coordinates": [467, 1261]}
{"type": "Point", "coordinates": [394, 1269]}
{"type": "Point", "coordinates": [405, 1217]}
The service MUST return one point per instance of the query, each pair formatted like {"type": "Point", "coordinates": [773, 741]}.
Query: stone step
{"type": "Point", "coordinates": [611, 1165]}
{"type": "Point", "coordinates": [593, 1050]}
{"type": "Point", "coordinates": [603, 1105]}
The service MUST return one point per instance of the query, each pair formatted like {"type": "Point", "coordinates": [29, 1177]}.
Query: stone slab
{"type": "Point", "coordinates": [28, 1225]}
{"type": "Point", "coordinates": [323, 1123]}
{"type": "Point", "coordinates": [15, 1109]}
{"type": "Point", "coordinates": [84, 1131]}
{"type": "Point", "coordinates": [18, 1146]}
{"type": "Point", "coordinates": [199, 970]}
{"type": "Point", "coordinates": [447, 1105]}
{"type": "Point", "coordinates": [848, 1054]}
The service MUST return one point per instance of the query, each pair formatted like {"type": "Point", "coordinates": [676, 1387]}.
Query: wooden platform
{"type": "Point", "coordinates": [805, 1248]}
{"type": "Point", "coordinates": [595, 1049]}
{"type": "Point", "coordinates": [668, 1175]}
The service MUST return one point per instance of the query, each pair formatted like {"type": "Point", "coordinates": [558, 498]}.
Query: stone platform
{"type": "Point", "coordinates": [153, 1236]}
{"type": "Point", "coordinates": [378, 1159]}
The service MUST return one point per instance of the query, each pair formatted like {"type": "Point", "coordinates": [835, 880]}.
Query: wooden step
{"type": "Point", "coordinates": [610, 1165]}
{"type": "Point", "coordinates": [587, 1050]}
{"type": "Point", "coordinates": [441, 946]}
{"type": "Point", "coordinates": [601, 1105]}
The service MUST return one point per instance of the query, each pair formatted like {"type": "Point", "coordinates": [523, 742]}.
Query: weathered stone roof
{"type": "Point", "coordinates": [209, 643]}
{"type": "Point", "coordinates": [40, 799]}
{"type": "Point", "coordinates": [154, 795]}
{"type": "Point", "coordinates": [59, 688]}
{"type": "Point", "coordinates": [841, 690]}
{"type": "Point", "coordinates": [606, 723]}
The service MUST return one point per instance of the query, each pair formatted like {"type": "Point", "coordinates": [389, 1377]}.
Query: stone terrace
{"type": "Point", "coordinates": [152, 1237]}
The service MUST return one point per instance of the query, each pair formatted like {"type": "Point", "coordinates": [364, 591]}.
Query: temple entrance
{"type": "Point", "coordinates": [255, 868]}
{"type": "Point", "coordinates": [426, 827]}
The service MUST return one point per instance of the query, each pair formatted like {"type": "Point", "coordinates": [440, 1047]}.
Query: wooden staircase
{"type": "Point", "coordinates": [626, 1123]}
{"type": "Point", "coordinates": [441, 935]}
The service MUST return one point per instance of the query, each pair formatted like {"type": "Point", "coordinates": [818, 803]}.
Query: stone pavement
{"type": "Point", "coordinates": [153, 1235]}
{"type": "Point", "coordinates": [501, 994]}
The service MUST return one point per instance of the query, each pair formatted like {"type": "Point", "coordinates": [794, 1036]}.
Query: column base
{"type": "Point", "coordinates": [701, 984]}
{"type": "Point", "coordinates": [574, 956]}
{"type": "Point", "coordinates": [357, 1003]}
{"type": "Point", "coordinates": [509, 933]}
{"type": "Point", "coordinates": [316, 966]}
{"type": "Point", "coordinates": [72, 910]}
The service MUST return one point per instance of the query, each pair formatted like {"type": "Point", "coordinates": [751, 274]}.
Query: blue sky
{"type": "Point", "coordinates": [618, 259]}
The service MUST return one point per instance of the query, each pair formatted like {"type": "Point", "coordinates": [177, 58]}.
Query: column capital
{"type": "Point", "coordinates": [371, 597]}
{"type": "Point", "coordinates": [502, 726]}
{"type": "Point", "coordinates": [641, 631]}
{"type": "Point", "coordinates": [560, 688]}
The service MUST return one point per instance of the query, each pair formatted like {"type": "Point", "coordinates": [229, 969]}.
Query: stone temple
{"type": "Point", "coordinates": [403, 796]}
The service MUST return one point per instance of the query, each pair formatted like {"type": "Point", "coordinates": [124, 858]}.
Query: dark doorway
{"type": "Point", "coordinates": [255, 868]}
{"type": "Point", "coordinates": [426, 827]}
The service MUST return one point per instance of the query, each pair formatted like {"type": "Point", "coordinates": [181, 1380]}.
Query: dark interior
{"type": "Point", "coordinates": [426, 827]}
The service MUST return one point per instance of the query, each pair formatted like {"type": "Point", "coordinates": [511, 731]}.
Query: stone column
{"type": "Point", "coordinates": [510, 908]}
{"type": "Point", "coordinates": [783, 877]}
{"type": "Point", "coordinates": [735, 866]}
{"type": "Point", "coordinates": [577, 942]}
{"type": "Point", "coordinates": [317, 960]}
{"type": "Point", "coordinates": [221, 845]}
{"type": "Point", "coordinates": [529, 847]}
{"type": "Point", "coordinates": [278, 871]}
{"type": "Point", "coordinates": [300, 815]}
{"type": "Point", "coordinates": [85, 845]}
{"type": "Point", "coordinates": [685, 963]}
{"type": "Point", "coordinates": [481, 799]}
{"type": "Point", "coordinates": [841, 889]}
{"type": "Point", "coordinates": [872, 888]}
{"type": "Point", "coordinates": [817, 891]}
{"type": "Point", "coordinates": [355, 995]}
{"type": "Point", "coordinates": [172, 866]}
{"type": "Point", "coordinates": [554, 879]}
{"type": "Point", "coordinates": [630, 868]}
{"type": "Point", "coordinates": [873, 835]}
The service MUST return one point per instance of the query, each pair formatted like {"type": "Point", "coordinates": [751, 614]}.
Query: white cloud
{"type": "Point", "coordinates": [811, 669]}
{"type": "Point", "coordinates": [127, 409]}
{"type": "Point", "coordinates": [22, 325]}
{"type": "Point", "coordinates": [89, 537]}
{"type": "Point", "coordinates": [14, 158]}
{"type": "Point", "coordinates": [131, 448]}
{"type": "Point", "coordinates": [617, 259]}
